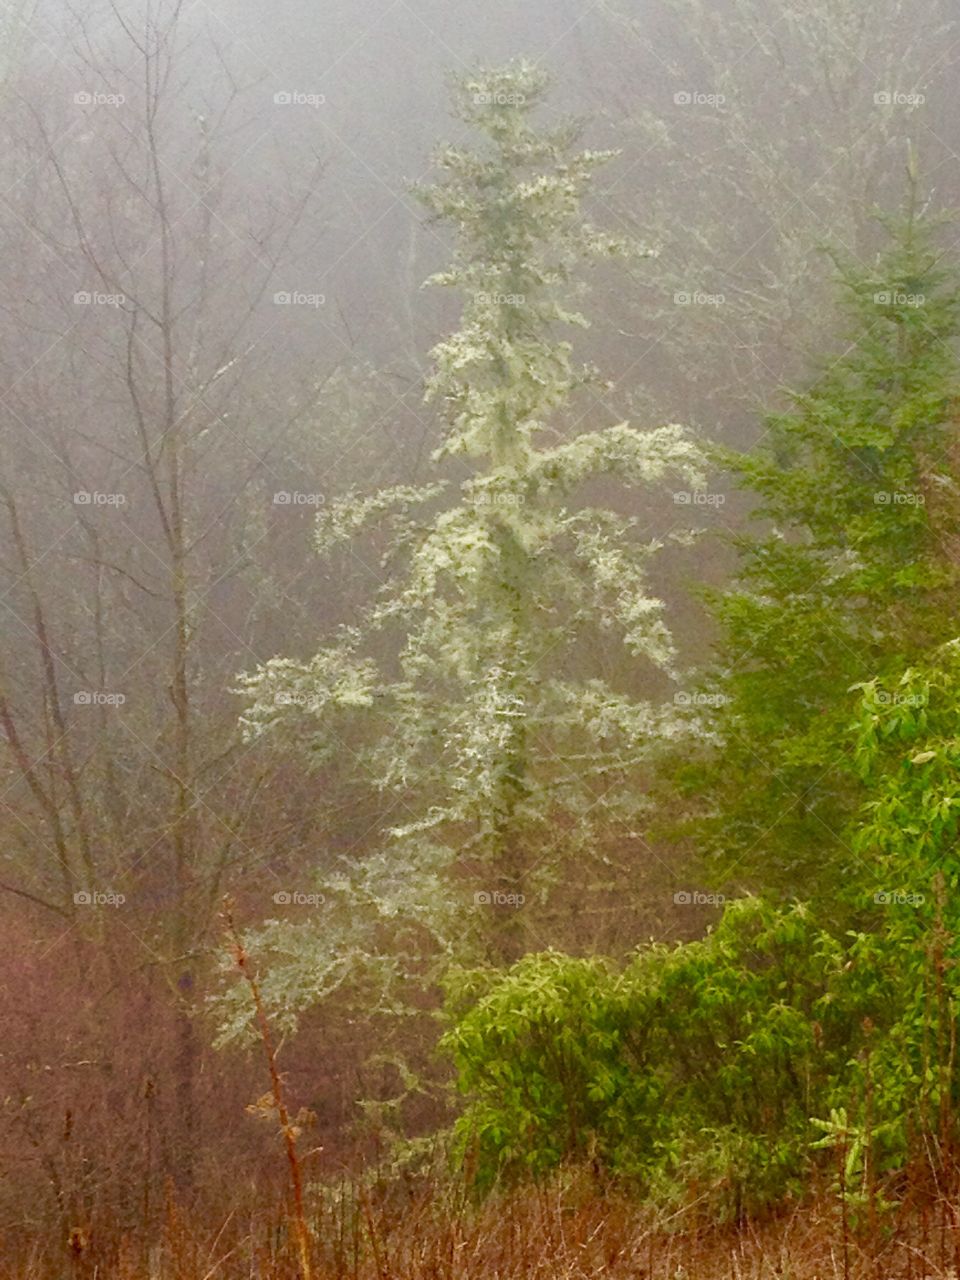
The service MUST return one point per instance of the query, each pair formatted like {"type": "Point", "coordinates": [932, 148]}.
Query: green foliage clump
{"type": "Point", "coordinates": [695, 1068]}
{"type": "Point", "coordinates": [721, 1072]}
{"type": "Point", "coordinates": [907, 748]}
{"type": "Point", "coordinates": [852, 575]}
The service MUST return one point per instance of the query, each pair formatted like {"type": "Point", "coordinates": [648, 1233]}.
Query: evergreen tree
{"type": "Point", "coordinates": [479, 722]}
{"type": "Point", "coordinates": [854, 574]}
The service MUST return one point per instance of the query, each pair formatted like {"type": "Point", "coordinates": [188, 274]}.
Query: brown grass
{"type": "Point", "coordinates": [433, 1233]}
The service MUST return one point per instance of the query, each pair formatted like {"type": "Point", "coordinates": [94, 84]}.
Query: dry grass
{"type": "Point", "coordinates": [248, 1221]}
{"type": "Point", "coordinates": [539, 1234]}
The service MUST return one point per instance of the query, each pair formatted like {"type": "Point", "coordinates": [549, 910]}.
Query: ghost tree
{"type": "Point", "coordinates": [465, 690]}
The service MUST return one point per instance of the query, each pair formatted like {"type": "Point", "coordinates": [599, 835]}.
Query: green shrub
{"type": "Point", "coordinates": [718, 1071]}
{"type": "Point", "coordinates": [694, 1068]}
{"type": "Point", "coordinates": [704, 1072]}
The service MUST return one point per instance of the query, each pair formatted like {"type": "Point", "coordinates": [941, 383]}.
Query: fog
{"type": "Point", "coordinates": [328, 589]}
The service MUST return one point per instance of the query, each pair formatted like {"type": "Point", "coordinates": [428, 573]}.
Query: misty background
{"type": "Point", "coordinates": [211, 262]}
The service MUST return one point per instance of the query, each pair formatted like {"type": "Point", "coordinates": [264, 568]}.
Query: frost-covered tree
{"type": "Point", "coordinates": [501, 757]}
